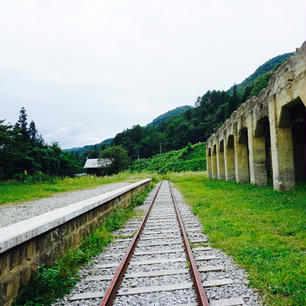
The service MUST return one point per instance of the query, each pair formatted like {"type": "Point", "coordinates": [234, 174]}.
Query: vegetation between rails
{"type": "Point", "coordinates": [48, 284]}
{"type": "Point", "coordinates": [262, 229]}
{"type": "Point", "coordinates": [18, 192]}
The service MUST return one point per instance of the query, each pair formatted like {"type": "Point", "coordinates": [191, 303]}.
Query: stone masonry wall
{"type": "Point", "coordinates": [266, 136]}
{"type": "Point", "coordinates": [17, 263]}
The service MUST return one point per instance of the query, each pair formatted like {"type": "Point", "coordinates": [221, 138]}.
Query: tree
{"type": "Point", "coordinates": [33, 133]}
{"type": "Point", "coordinates": [119, 159]}
{"type": "Point", "coordinates": [233, 102]}
{"type": "Point", "coordinates": [261, 83]}
{"type": "Point", "coordinates": [22, 125]}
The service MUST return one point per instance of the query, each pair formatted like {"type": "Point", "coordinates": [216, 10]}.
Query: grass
{"type": "Point", "coordinates": [48, 284]}
{"type": "Point", "coordinates": [14, 193]}
{"type": "Point", "coordinates": [262, 229]}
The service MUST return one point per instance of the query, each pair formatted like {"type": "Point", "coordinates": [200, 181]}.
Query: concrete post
{"type": "Point", "coordinates": [257, 155]}
{"type": "Point", "coordinates": [281, 152]}
{"type": "Point", "coordinates": [214, 162]}
{"type": "Point", "coordinates": [241, 161]}
{"type": "Point", "coordinates": [229, 161]}
{"type": "Point", "coordinates": [208, 161]}
{"type": "Point", "coordinates": [220, 160]}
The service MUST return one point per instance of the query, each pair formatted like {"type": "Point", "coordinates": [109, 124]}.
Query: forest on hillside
{"type": "Point", "coordinates": [190, 158]}
{"type": "Point", "coordinates": [194, 124]}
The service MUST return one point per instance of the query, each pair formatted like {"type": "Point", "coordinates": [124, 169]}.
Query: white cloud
{"type": "Point", "coordinates": [107, 65]}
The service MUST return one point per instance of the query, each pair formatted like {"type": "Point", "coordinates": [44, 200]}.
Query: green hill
{"type": "Point", "coordinates": [172, 113]}
{"type": "Point", "coordinates": [174, 129]}
{"type": "Point", "coordinates": [162, 118]}
{"type": "Point", "coordinates": [268, 66]}
{"type": "Point", "coordinates": [81, 150]}
{"type": "Point", "coordinates": [190, 158]}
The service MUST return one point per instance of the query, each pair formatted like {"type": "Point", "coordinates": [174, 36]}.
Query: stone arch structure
{"type": "Point", "coordinates": [266, 136]}
{"type": "Point", "coordinates": [293, 119]}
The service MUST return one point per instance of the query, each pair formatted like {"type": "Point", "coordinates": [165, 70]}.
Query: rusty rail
{"type": "Point", "coordinates": [195, 275]}
{"type": "Point", "coordinates": [117, 279]}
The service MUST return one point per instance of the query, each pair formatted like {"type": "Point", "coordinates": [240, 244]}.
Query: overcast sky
{"type": "Point", "coordinates": [86, 70]}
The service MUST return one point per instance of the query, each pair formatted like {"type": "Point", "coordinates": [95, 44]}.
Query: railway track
{"type": "Point", "coordinates": [154, 264]}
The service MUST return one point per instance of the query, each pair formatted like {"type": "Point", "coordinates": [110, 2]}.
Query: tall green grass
{"type": "Point", "coordinates": [19, 192]}
{"type": "Point", "coordinates": [262, 229]}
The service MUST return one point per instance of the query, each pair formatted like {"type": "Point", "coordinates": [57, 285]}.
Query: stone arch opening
{"type": "Point", "coordinates": [263, 131]}
{"type": "Point", "coordinates": [214, 162]}
{"type": "Point", "coordinates": [230, 142]}
{"type": "Point", "coordinates": [293, 115]}
{"type": "Point", "coordinates": [229, 159]}
{"type": "Point", "coordinates": [220, 160]}
{"type": "Point", "coordinates": [242, 157]}
{"type": "Point", "coordinates": [208, 162]}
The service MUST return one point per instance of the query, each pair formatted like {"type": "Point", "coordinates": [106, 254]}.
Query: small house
{"type": "Point", "coordinates": [95, 166]}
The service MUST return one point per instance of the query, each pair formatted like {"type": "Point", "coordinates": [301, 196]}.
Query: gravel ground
{"type": "Point", "coordinates": [162, 209]}
{"type": "Point", "coordinates": [12, 213]}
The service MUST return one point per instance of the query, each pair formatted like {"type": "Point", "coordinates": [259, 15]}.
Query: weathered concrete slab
{"type": "Point", "coordinates": [141, 290]}
{"type": "Point", "coordinates": [228, 302]}
{"type": "Point", "coordinates": [217, 282]}
{"type": "Point", "coordinates": [15, 234]}
{"type": "Point", "coordinates": [87, 295]}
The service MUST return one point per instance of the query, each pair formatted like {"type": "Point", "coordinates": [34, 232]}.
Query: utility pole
{"type": "Point", "coordinates": [160, 146]}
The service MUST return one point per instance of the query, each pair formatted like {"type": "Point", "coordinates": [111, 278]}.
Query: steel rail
{"type": "Point", "coordinates": [195, 275]}
{"type": "Point", "coordinates": [117, 279]}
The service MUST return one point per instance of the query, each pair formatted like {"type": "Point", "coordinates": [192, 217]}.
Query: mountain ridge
{"type": "Point", "coordinates": [248, 87]}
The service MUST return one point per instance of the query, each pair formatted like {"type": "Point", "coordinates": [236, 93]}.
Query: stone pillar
{"type": "Point", "coordinates": [257, 155]}
{"type": "Point", "coordinates": [220, 160]}
{"type": "Point", "coordinates": [214, 162]}
{"type": "Point", "coordinates": [208, 161]}
{"type": "Point", "coordinates": [281, 152]}
{"type": "Point", "coordinates": [229, 160]}
{"type": "Point", "coordinates": [241, 161]}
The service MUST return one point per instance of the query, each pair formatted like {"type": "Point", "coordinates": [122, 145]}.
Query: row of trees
{"type": "Point", "coordinates": [25, 155]}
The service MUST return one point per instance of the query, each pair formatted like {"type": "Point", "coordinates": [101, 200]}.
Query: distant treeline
{"type": "Point", "coordinates": [25, 156]}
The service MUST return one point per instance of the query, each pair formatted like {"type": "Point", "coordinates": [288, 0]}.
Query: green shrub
{"type": "Point", "coordinates": [190, 158]}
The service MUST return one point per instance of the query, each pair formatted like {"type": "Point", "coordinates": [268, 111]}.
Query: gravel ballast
{"type": "Point", "coordinates": [229, 281]}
